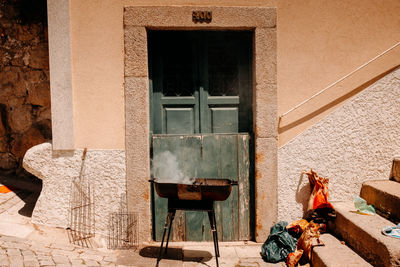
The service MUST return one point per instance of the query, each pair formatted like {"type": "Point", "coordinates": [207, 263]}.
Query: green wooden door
{"type": "Point", "coordinates": [200, 102]}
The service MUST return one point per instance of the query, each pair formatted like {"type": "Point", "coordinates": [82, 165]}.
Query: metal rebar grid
{"type": "Point", "coordinates": [82, 221]}
{"type": "Point", "coordinates": [123, 230]}
{"type": "Point", "coordinates": [123, 227]}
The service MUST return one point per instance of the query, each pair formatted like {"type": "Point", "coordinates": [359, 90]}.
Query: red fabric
{"type": "Point", "coordinates": [321, 197]}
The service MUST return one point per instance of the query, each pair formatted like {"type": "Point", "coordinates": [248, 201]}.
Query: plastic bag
{"type": "Point", "coordinates": [279, 244]}
{"type": "Point", "coordinates": [362, 206]}
{"type": "Point", "coordinates": [320, 193]}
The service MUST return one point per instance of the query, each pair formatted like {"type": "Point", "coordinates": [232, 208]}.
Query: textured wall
{"type": "Point", "coordinates": [355, 143]}
{"type": "Point", "coordinates": [105, 169]}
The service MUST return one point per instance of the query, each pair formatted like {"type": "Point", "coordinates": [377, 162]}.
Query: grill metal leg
{"type": "Point", "coordinates": [169, 230]}
{"type": "Point", "coordinates": [213, 224]}
{"type": "Point", "coordinates": [168, 222]}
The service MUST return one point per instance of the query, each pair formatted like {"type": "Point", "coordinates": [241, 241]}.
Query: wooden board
{"type": "Point", "coordinates": [208, 156]}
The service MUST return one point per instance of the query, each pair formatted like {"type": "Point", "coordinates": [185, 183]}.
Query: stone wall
{"type": "Point", "coordinates": [24, 81]}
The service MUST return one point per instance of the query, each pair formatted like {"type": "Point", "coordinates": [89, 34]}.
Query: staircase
{"type": "Point", "coordinates": [357, 239]}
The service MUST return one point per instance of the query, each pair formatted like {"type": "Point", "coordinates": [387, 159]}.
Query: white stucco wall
{"type": "Point", "coordinates": [105, 169]}
{"type": "Point", "coordinates": [354, 143]}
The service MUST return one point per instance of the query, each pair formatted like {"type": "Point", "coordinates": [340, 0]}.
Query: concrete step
{"type": "Point", "coordinates": [363, 234]}
{"type": "Point", "coordinates": [334, 254]}
{"type": "Point", "coordinates": [385, 196]}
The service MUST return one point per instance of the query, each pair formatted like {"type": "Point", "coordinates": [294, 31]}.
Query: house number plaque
{"type": "Point", "coordinates": [202, 16]}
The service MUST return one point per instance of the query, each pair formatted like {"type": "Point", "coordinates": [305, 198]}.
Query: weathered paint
{"type": "Point", "coordinates": [209, 156]}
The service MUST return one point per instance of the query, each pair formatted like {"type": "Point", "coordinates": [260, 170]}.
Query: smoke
{"type": "Point", "coordinates": [165, 169]}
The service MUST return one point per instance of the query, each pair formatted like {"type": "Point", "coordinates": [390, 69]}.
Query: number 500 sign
{"type": "Point", "coordinates": [202, 16]}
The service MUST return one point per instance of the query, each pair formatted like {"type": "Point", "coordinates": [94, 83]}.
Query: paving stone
{"type": "Point", "coordinates": [11, 239]}
{"type": "Point", "coordinates": [71, 254]}
{"type": "Point", "coordinates": [173, 263]}
{"type": "Point", "coordinates": [16, 261]}
{"type": "Point", "coordinates": [110, 258]}
{"type": "Point", "coordinates": [96, 252]}
{"type": "Point", "coordinates": [248, 252]}
{"type": "Point", "coordinates": [63, 247]}
{"type": "Point", "coordinates": [38, 244]}
{"type": "Point", "coordinates": [41, 249]}
{"type": "Point", "coordinates": [31, 263]}
{"type": "Point", "coordinates": [58, 259]}
{"type": "Point", "coordinates": [91, 263]}
{"type": "Point", "coordinates": [13, 251]}
{"type": "Point", "coordinates": [44, 257]}
{"type": "Point", "coordinates": [30, 258]}
{"type": "Point", "coordinates": [259, 263]}
{"type": "Point", "coordinates": [27, 252]}
{"type": "Point", "coordinates": [16, 245]}
{"type": "Point", "coordinates": [93, 257]}
{"type": "Point", "coordinates": [76, 262]}
{"type": "Point", "coordinates": [46, 262]}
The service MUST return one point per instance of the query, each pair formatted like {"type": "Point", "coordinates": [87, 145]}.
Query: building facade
{"type": "Point", "coordinates": [117, 69]}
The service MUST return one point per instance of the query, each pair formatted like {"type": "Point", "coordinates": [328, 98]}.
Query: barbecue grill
{"type": "Point", "coordinates": [199, 196]}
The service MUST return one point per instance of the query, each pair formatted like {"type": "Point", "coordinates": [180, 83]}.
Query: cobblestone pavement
{"type": "Point", "coordinates": [24, 244]}
{"type": "Point", "coordinates": [17, 252]}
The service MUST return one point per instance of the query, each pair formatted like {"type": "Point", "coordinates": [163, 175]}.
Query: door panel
{"type": "Point", "coordinates": [201, 93]}
{"type": "Point", "coordinates": [224, 120]}
{"type": "Point", "coordinates": [179, 120]}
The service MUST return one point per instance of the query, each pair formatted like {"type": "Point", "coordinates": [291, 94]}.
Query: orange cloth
{"type": "Point", "coordinates": [321, 196]}
{"type": "Point", "coordinates": [320, 192]}
{"type": "Point", "coordinates": [4, 189]}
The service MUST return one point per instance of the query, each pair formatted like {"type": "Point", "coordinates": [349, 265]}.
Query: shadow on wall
{"type": "Point", "coordinates": [303, 192]}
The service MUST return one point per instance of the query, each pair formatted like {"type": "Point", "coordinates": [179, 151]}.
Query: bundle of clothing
{"type": "Point", "coordinates": [293, 242]}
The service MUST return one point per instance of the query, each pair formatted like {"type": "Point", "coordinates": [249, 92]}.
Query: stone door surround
{"type": "Point", "coordinates": [260, 20]}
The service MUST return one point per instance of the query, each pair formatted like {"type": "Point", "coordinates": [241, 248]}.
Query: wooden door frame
{"type": "Point", "coordinates": [260, 20]}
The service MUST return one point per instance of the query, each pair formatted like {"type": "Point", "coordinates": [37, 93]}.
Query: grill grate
{"type": "Point", "coordinates": [82, 221]}
{"type": "Point", "coordinates": [123, 230]}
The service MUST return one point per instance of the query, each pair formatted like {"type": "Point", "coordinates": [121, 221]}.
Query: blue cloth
{"type": "Point", "coordinates": [279, 244]}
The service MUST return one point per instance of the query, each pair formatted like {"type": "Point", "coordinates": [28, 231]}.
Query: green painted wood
{"type": "Point", "coordinates": [160, 204]}
{"type": "Point", "coordinates": [178, 227]}
{"type": "Point", "coordinates": [201, 86]}
{"type": "Point", "coordinates": [210, 169]}
{"type": "Point", "coordinates": [192, 158]}
{"type": "Point", "coordinates": [209, 156]}
{"type": "Point", "coordinates": [244, 186]}
{"type": "Point", "coordinates": [228, 159]}
{"type": "Point", "coordinates": [224, 119]}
